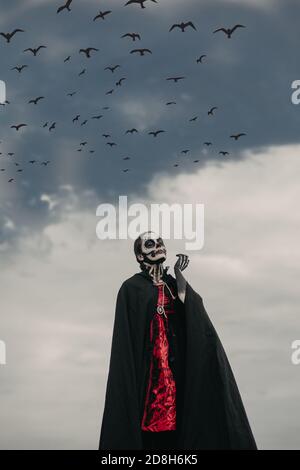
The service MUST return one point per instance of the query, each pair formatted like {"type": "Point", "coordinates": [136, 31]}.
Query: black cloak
{"type": "Point", "coordinates": [210, 412]}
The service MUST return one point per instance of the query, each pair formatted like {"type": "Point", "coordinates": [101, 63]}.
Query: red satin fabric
{"type": "Point", "coordinates": [160, 403]}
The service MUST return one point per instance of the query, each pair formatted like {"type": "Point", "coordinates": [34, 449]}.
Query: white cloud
{"type": "Point", "coordinates": [58, 295]}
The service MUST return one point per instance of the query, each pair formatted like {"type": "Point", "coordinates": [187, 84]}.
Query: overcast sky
{"type": "Point", "coordinates": [58, 282]}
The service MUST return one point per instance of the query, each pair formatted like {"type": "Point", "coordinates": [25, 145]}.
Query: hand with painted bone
{"type": "Point", "coordinates": [180, 265]}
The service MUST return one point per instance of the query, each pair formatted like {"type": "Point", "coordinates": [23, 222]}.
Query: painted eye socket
{"type": "Point", "coordinates": [149, 243]}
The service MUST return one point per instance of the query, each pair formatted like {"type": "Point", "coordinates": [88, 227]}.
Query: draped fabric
{"type": "Point", "coordinates": [160, 404]}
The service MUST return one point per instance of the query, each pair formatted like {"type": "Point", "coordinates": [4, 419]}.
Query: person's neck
{"type": "Point", "coordinates": [155, 271]}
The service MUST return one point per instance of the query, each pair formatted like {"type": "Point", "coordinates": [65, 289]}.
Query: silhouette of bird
{"type": "Point", "coordinates": [83, 143]}
{"type": "Point", "coordinates": [126, 158]}
{"type": "Point", "coordinates": [237, 136]}
{"type": "Point", "coordinates": [66, 6]}
{"type": "Point", "coordinates": [82, 72]}
{"type": "Point", "coordinates": [207, 143]}
{"type": "Point", "coordinates": [98, 117]}
{"type": "Point", "coordinates": [67, 59]}
{"type": "Point", "coordinates": [184, 151]}
{"type": "Point", "coordinates": [175, 165]}
{"type": "Point", "coordinates": [141, 2]}
{"type": "Point", "coordinates": [110, 92]}
{"type": "Point", "coordinates": [105, 107]}
{"type": "Point", "coordinates": [119, 82]}
{"type": "Point", "coordinates": [183, 26]}
{"type": "Point", "coordinates": [175, 79]}
{"type": "Point", "coordinates": [18, 126]}
{"type": "Point", "coordinates": [170, 102]}
{"type": "Point", "coordinates": [76, 118]}
{"type": "Point", "coordinates": [141, 51]}
{"type": "Point", "coordinates": [196, 161]}
{"type": "Point", "coordinates": [131, 131]}
{"type": "Point", "coordinates": [46, 124]}
{"type": "Point", "coordinates": [223, 153]}
{"type": "Point", "coordinates": [88, 51]}
{"type": "Point", "coordinates": [155, 133]}
{"type": "Point", "coordinates": [211, 111]}
{"type": "Point", "coordinates": [11, 180]}
{"type": "Point", "coordinates": [71, 94]}
{"type": "Point", "coordinates": [111, 144]}
{"type": "Point", "coordinates": [84, 122]}
{"type": "Point", "coordinates": [230, 31]}
{"type": "Point", "coordinates": [9, 36]}
{"type": "Point", "coordinates": [106, 136]}
{"type": "Point", "coordinates": [32, 161]}
{"type": "Point", "coordinates": [102, 14]}
{"type": "Point", "coordinates": [126, 170]}
{"type": "Point", "coordinates": [34, 50]}
{"type": "Point", "coordinates": [133, 36]}
{"type": "Point", "coordinates": [112, 69]}
{"type": "Point", "coordinates": [45, 163]}
{"type": "Point", "coordinates": [200, 60]}
{"type": "Point", "coordinates": [36, 100]}
{"type": "Point", "coordinates": [53, 125]}
{"type": "Point", "coordinates": [193, 119]}
{"type": "Point", "coordinates": [19, 68]}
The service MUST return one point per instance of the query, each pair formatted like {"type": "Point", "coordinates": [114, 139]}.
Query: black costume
{"type": "Point", "coordinates": [209, 410]}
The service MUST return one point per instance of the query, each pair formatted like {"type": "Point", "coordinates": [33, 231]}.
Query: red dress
{"type": "Point", "coordinates": [160, 403]}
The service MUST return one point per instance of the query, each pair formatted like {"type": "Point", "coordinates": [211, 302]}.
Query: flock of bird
{"type": "Point", "coordinates": [89, 53]}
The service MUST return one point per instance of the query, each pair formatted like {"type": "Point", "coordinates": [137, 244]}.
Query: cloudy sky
{"type": "Point", "coordinates": [58, 282]}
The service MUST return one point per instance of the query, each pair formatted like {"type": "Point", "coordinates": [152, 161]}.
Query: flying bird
{"type": "Point", "coordinates": [66, 6]}
{"type": "Point", "coordinates": [175, 79]}
{"type": "Point", "coordinates": [106, 136]}
{"type": "Point", "coordinates": [88, 51]}
{"type": "Point", "coordinates": [18, 126]}
{"type": "Point", "coordinates": [52, 126]}
{"type": "Point", "coordinates": [211, 111]}
{"type": "Point", "coordinates": [141, 51]}
{"type": "Point", "coordinates": [102, 14]}
{"type": "Point", "coordinates": [67, 59]}
{"type": "Point", "coordinates": [200, 60]}
{"type": "Point", "coordinates": [126, 170]}
{"type": "Point", "coordinates": [34, 50]}
{"type": "Point", "coordinates": [230, 31]}
{"type": "Point", "coordinates": [133, 36]}
{"type": "Point", "coordinates": [11, 180]}
{"type": "Point", "coordinates": [131, 131]}
{"type": "Point", "coordinates": [182, 26]}
{"type": "Point", "coordinates": [141, 2]}
{"type": "Point", "coordinates": [110, 92]}
{"type": "Point", "coordinates": [111, 144]}
{"type": "Point", "coordinates": [76, 118]}
{"type": "Point", "coordinates": [193, 119]}
{"type": "Point", "coordinates": [155, 133]}
{"type": "Point", "coordinates": [184, 151]}
{"type": "Point", "coordinates": [9, 36]}
{"type": "Point", "coordinates": [82, 72]}
{"type": "Point", "coordinates": [36, 100]}
{"type": "Point", "coordinates": [223, 153]}
{"type": "Point", "coordinates": [71, 94]}
{"type": "Point", "coordinates": [126, 158]}
{"type": "Point", "coordinates": [207, 143]}
{"type": "Point", "coordinates": [170, 102]}
{"type": "Point", "coordinates": [83, 143]}
{"type": "Point", "coordinates": [112, 69]}
{"type": "Point", "coordinates": [19, 68]}
{"type": "Point", "coordinates": [119, 82]}
{"type": "Point", "coordinates": [98, 116]}
{"type": "Point", "coordinates": [45, 163]}
{"type": "Point", "coordinates": [84, 122]}
{"type": "Point", "coordinates": [237, 136]}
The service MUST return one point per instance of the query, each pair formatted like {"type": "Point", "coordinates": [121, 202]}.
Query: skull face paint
{"type": "Point", "coordinates": [153, 250]}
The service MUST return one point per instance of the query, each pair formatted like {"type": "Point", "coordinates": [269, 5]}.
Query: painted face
{"type": "Point", "coordinates": [153, 248]}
